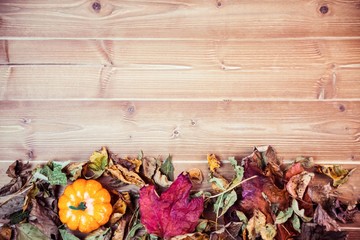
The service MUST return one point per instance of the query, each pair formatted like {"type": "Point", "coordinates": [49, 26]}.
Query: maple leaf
{"type": "Point", "coordinates": [173, 212]}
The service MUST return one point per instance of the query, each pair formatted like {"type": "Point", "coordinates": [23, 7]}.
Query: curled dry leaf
{"type": "Point", "coordinates": [294, 169]}
{"type": "Point", "coordinates": [97, 164]}
{"type": "Point", "coordinates": [229, 231]}
{"type": "Point", "coordinates": [191, 236]}
{"type": "Point", "coordinates": [124, 175]}
{"type": "Point", "coordinates": [74, 170]}
{"type": "Point", "coordinates": [173, 212]}
{"type": "Point", "coordinates": [213, 162]}
{"type": "Point", "coordinates": [218, 182]}
{"type": "Point", "coordinates": [160, 179]}
{"type": "Point", "coordinates": [313, 231]}
{"type": "Point", "coordinates": [297, 184]}
{"type": "Point", "coordinates": [5, 232]}
{"type": "Point", "coordinates": [149, 167]}
{"type": "Point", "coordinates": [338, 174]}
{"type": "Point", "coordinates": [320, 193]}
{"type": "Point", "coordinates": [195, 175]}
{"type": "Point", "coordinates": [322, 218]}
{"type": "Point", "coordinates": [119, 209]}
{"type": "Point", "coordinates": [120, 230]}
{"type": "Point", "coordinates": [167, 168]}
{"type": "Point", "coordinates": [257, 226]}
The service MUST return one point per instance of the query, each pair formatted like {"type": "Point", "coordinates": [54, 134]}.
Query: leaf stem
{"type": "Point", "coordinates": [231, 188]}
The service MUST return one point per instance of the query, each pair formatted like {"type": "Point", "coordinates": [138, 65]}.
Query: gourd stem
{"type": "Point", "coordinates": [81, 206]}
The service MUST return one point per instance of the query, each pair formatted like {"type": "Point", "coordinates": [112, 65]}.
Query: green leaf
{"type": "Point", "coordinates": [167, 168]}
{"type": "Point", "coordinates": [224, 202]}
{"type": "Point", "coordinates": [295, 220]}
{"type": "Point", "coordinates": [27, 231]}
{"type": "Point", "coordinates": [98, 162]}
{"type": "Point", "coordinates": [52, 173]}
{"type": "Point", "coordinates": [300, 213]}
{"type": "Point", "coordinates": [65, 235]}
{"type": "Point", "coordinates": [242, 217]}
{"type": "Point", "coordinates": [239, 172]}
{"type": "Point", "coordinates": [100, 235]}
{"type": "Point", "coordinates": [203, 223]}
{"type": "Point", "coordinates": [283, 216]}
{"type": "Point", "coordinates": [219, 182]}
{"type": "Point", "coordinates": [133, 230]}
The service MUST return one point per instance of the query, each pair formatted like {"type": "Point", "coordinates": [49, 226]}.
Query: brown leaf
{"type": "Point", "coordinates": [191, 236]}
{"type": "Point", "coordinates": [295, 169]}
{"type": "Point", "coordinates": [161, 179]}
{"type": "Point", "coordinates": [319, 193]}
{"type": "Point", "coordinates": [195, 175]}
{"type": "Point", "coordinates": [124, 175]}
{"type": "Point", "coordinates": [120, 230]}
{"type": "Point", "coordinates": [5, 232]}
{"type": "Point", "coordinates": [313, 231]}
{"type": "Point", "coordinates": [297, 184]}
{"type": "Point", "coordinates": [322, 218]}
{"type": "Point", "coordinates": [135, 163]}
{"type": "Point", "coordinates": [229, 231]}
{"type": "Point", "coordinates": [149, 167]}
{"type": "Point", "coordinates": [74, 170]}
{"type": "Point", "coordinates": [119, 209]}
{"type": "Point", "coordinates": [45, 219]}
{"type": "Point", "coordinates": [17, 168]}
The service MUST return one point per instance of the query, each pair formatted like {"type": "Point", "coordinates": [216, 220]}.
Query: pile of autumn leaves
{"type": "Point", "coordinates": [264, 198]}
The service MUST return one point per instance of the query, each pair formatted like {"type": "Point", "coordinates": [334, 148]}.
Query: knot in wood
{"type": "Point", "coordinates": [96, 6]}
{"type": "Point", "coordinates": [324, 9]}
{"type": "Point", "coordinates": [341, 108]}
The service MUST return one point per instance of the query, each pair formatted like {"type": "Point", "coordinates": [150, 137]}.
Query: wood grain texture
{"type": "Point", "coordinates": [31, 82]}
{"type": "Point", "coordinates": [186, 54]}
{"type": "Point", "coordinates": [189, 130]}
{"type": "Point", "coordinates": [298, 69]}
{"type": "Point", "coordinates": [191, 19]}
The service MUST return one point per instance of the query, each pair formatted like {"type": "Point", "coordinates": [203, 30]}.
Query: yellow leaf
{"type": "Point", "coordinates": [213, 162]}
{"type": "Point", "coordinates": [336, 172]}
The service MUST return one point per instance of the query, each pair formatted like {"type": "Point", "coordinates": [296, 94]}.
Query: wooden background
{"type": "Point", "coordinates": [185, 77]}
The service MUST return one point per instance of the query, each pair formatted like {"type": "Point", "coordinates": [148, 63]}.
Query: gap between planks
{"type": "Point", "coordinates": [180, 39]}
{"type": "Point", "coordinates": [183, 100]}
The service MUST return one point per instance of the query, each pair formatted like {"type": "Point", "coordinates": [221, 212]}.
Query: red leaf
{"type": "Point", "coordinates": [173, 213]}
{"type": "Point", "coordinates": [295, 169]}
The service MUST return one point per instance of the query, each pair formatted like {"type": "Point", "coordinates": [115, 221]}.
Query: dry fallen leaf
{"type": "Point", "coordinates": [195, 175]}
{"type": "Point", "coordinates": [213, 162]}
{"type": "Point", "coordinates": [297, 184]}
{"type": "Point", "coordinates": [5, 232]}
{"type": "Point", "coordinates": [338, 174]}
{"type": "Point", "coordinates": [119, 209]}
{"type": "Point", "coordinates": [124, 175]}
{"type": "Point", "coordinates": [173, 212]}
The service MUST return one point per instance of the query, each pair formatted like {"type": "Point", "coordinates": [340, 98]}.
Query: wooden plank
{"type": "Point", "coordinates": [99, 82]}
{"type": "Point", "coordinates": [185, 54]}
{"type": "Point", "coordinates": [38, 130]}
{"type": "Point", "coordinates": [193, 19]}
